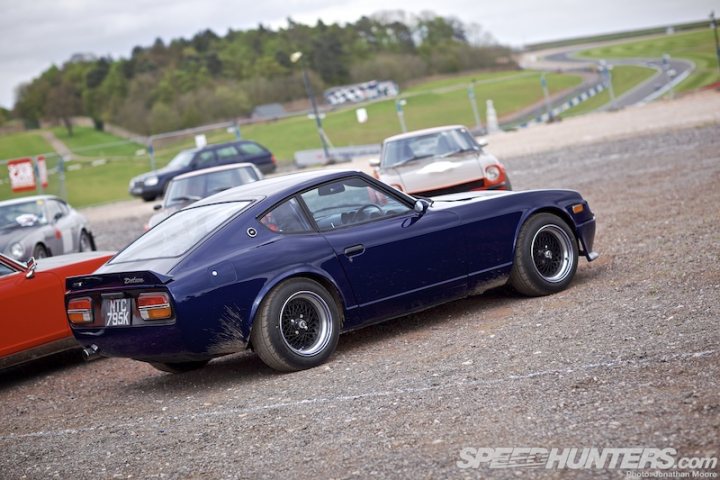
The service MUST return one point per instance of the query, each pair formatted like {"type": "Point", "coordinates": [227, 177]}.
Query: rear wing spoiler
{"type": "Point", "coordinates": [116, 280]}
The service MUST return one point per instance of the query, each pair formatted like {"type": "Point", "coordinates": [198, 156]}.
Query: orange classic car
{"type": "Point", "coordinates": [33, 322]}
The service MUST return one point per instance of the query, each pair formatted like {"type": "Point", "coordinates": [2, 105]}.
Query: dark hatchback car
{"type": "Point", "coordinates": [193, 186]}
{"type": "Point", "coordinates": [151, 185]}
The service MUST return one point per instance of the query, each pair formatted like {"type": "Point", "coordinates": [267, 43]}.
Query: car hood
{"type": "Point", "coordinates": [432, 173]}
{"type": "Point", "coordinates": [10, 235]}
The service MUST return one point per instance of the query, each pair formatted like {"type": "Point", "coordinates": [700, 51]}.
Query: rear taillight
{"type": "Point", "coordinates": [154, 306]}
{"type": "Point", "coordinates": [79, 310]}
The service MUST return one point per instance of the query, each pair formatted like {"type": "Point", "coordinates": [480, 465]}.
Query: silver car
{"type": "Point", "coordinates": [439, 161]}
{"type": "Point", "coordinates": [42, 226]}
{"type": "Point", "coordinates": [191, 187]}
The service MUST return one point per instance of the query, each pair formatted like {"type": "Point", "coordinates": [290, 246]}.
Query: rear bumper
{"type": "Point", "coordinates": [266, 168]}
{"type": "Point", "coordinates": [162, 343]}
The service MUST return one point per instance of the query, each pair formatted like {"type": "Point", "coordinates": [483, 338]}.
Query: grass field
{"type": "Point", "coordinates": [624, 77]}
{"type": "Point", "coordinates": [88, 142]}
{"type": "Point", "coordinates": [615, 36]}
{"type": "Point", "coordinates": [435, 102]}
{"type": "Point", "coordinates": [22, 145]}
{"type": "Point", "coordinates": [90, 184]}
{"type": "Point", "coordinates": [697, 45]}
{"type": "Point", "coordinates": [426, 107]}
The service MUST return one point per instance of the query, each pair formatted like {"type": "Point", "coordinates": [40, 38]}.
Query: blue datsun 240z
{"type": "Point", "coordinates": [286, 264]}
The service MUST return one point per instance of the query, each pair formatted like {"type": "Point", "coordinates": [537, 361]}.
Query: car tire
{"type": "Point", "coordinates": [85, 243]}
{"type": "Point", "coordinates": [149, 197]}
{"type": "Point", "coordinates": [179, 367]}
{"type": "Point", "coordinates": [546, 256]}
{"type": "Point", "coordinates": [40, 251]}
{"type": "Point", "coordinates": [297, 326]}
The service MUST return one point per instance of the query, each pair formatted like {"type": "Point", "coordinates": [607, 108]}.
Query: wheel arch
{"type": "Point", "coordinates": [557, 211]}
{"type": "Point", "coordinates": [85, 230]}
{"type": "Point", "coordinates": [44, 246]}
{"type": "Point", "coordinates": [308, 272]}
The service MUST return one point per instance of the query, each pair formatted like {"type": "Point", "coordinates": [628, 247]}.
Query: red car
{"type": "Point", "coordinates": [33, 322]}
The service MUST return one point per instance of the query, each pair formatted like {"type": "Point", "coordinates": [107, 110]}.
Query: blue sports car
{"type": "Point", "coordinates": [284, 265]}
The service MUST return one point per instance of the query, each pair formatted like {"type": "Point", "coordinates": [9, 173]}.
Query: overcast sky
{"type": "Point", "coordinates": [37, 33]}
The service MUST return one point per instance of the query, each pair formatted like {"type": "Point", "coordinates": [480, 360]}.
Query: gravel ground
{"type": "Point", "coordinates": [628, 356]}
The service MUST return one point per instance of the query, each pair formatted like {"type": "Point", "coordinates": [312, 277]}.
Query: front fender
{"type": "Point", "coordinates": [583, 227]}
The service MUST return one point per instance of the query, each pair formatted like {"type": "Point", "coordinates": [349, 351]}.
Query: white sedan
{"type": "Point", "coordinates": [439, 161]}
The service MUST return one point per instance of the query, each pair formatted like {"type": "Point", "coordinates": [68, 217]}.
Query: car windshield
{"type": "Point", "coordinates": [438, 144]}
{"type": "Point", "coordinates": [179, 232]}
{"type": "Point", "coordinates": [24, 214]}
{"type": "Point", "coordinates": [182, 159]}
{"type": "Point", "coordinates": [191, 189]}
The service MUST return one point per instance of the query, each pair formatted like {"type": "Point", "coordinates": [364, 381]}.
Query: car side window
{"type": "Point", "coordinates": [350, 201]}
{"type": "Point", "coordinates": [54, 209]}
{"type": "Point", "coordinates": [251, 149]}
{"type": "Point", "coordinates": [227, 154]}
{"type": "Point", "coordinates": [286, 218]}
{"type": "Point", "coordinates": [204, 159]}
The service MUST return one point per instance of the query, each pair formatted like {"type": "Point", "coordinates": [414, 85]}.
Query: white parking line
{"type": "Point", "coordinates": [377, 394]}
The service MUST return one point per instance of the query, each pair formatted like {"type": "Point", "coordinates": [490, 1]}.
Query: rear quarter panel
{"type": "Point", "coordinates": [218, 289]}
{"type": "Point", "coordinates": [33, 309]}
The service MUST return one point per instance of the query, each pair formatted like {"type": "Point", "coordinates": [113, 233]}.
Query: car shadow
{"type": "Point", "coordinates": [232, 370]}
{"type": "Point", "coordinates": [477, 305]}
{"type": "Point", "coordinates": [246, 367]}
{"type": "Point", "coordinates": [30, 371]}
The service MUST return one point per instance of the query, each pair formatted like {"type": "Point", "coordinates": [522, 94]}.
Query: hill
{"type": "Point", "coordinates": [188, 82]}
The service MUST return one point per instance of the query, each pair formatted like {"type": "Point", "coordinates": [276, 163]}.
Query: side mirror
{"type": "Point", "coordinates": [374, 162]}
{"type": "Point", "coordinates": [157, 207]}
{"type": "Point", "coordinates": [31, 266]}
{"type": "Point", "coordinates": [421, 205]}
{"type": "Point", "coordinates": [57, 216]}
{"type": "Point", "coordinates": [483, 142]}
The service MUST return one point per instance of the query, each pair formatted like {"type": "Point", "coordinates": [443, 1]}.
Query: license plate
{"type": "Point", "coordinates": [116, 312]}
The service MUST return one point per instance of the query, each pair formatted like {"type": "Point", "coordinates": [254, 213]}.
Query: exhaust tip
{"type": "Point", "coordinates": [90, 353]}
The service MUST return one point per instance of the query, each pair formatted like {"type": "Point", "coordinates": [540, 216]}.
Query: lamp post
{"type": "Point", "coordinates": [606, 73]}
{"type": "Point", "coordinates": [294, 58]}
{"type": "Point", "coordinates": [546, 94]}
{"type": "Point", "coordinates": [713, 24]}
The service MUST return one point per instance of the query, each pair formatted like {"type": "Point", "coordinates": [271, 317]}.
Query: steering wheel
{"type": "Point", "coordinates": [362, 212]}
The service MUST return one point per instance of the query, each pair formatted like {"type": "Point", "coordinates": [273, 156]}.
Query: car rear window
{"type": "Point", "coordinates": [179, 232]}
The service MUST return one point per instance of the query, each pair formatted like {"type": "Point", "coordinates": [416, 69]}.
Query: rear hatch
{"type": "Point", "coordinates": [113, 297]}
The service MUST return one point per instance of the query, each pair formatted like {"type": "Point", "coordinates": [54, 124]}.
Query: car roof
{"type": "Point", "coordinates": [276, 188]}
{"type": "Point", "coordinates": [426, 131]}
{"type": "Point", "coordinates": [217, 145]}
{"type": "Point", "coordinates": [204, 171]}
{"type": "Point", "coordinates": [32, 198]}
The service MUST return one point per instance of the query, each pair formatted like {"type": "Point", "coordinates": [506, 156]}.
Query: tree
{"type": "Point", "coordinates": [181, 81]}
{"type": "Point", "coordinates": [63, 102]}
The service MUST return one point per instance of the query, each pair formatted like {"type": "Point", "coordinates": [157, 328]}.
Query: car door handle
{"type": "Point", "coordinates": [354, 250]}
